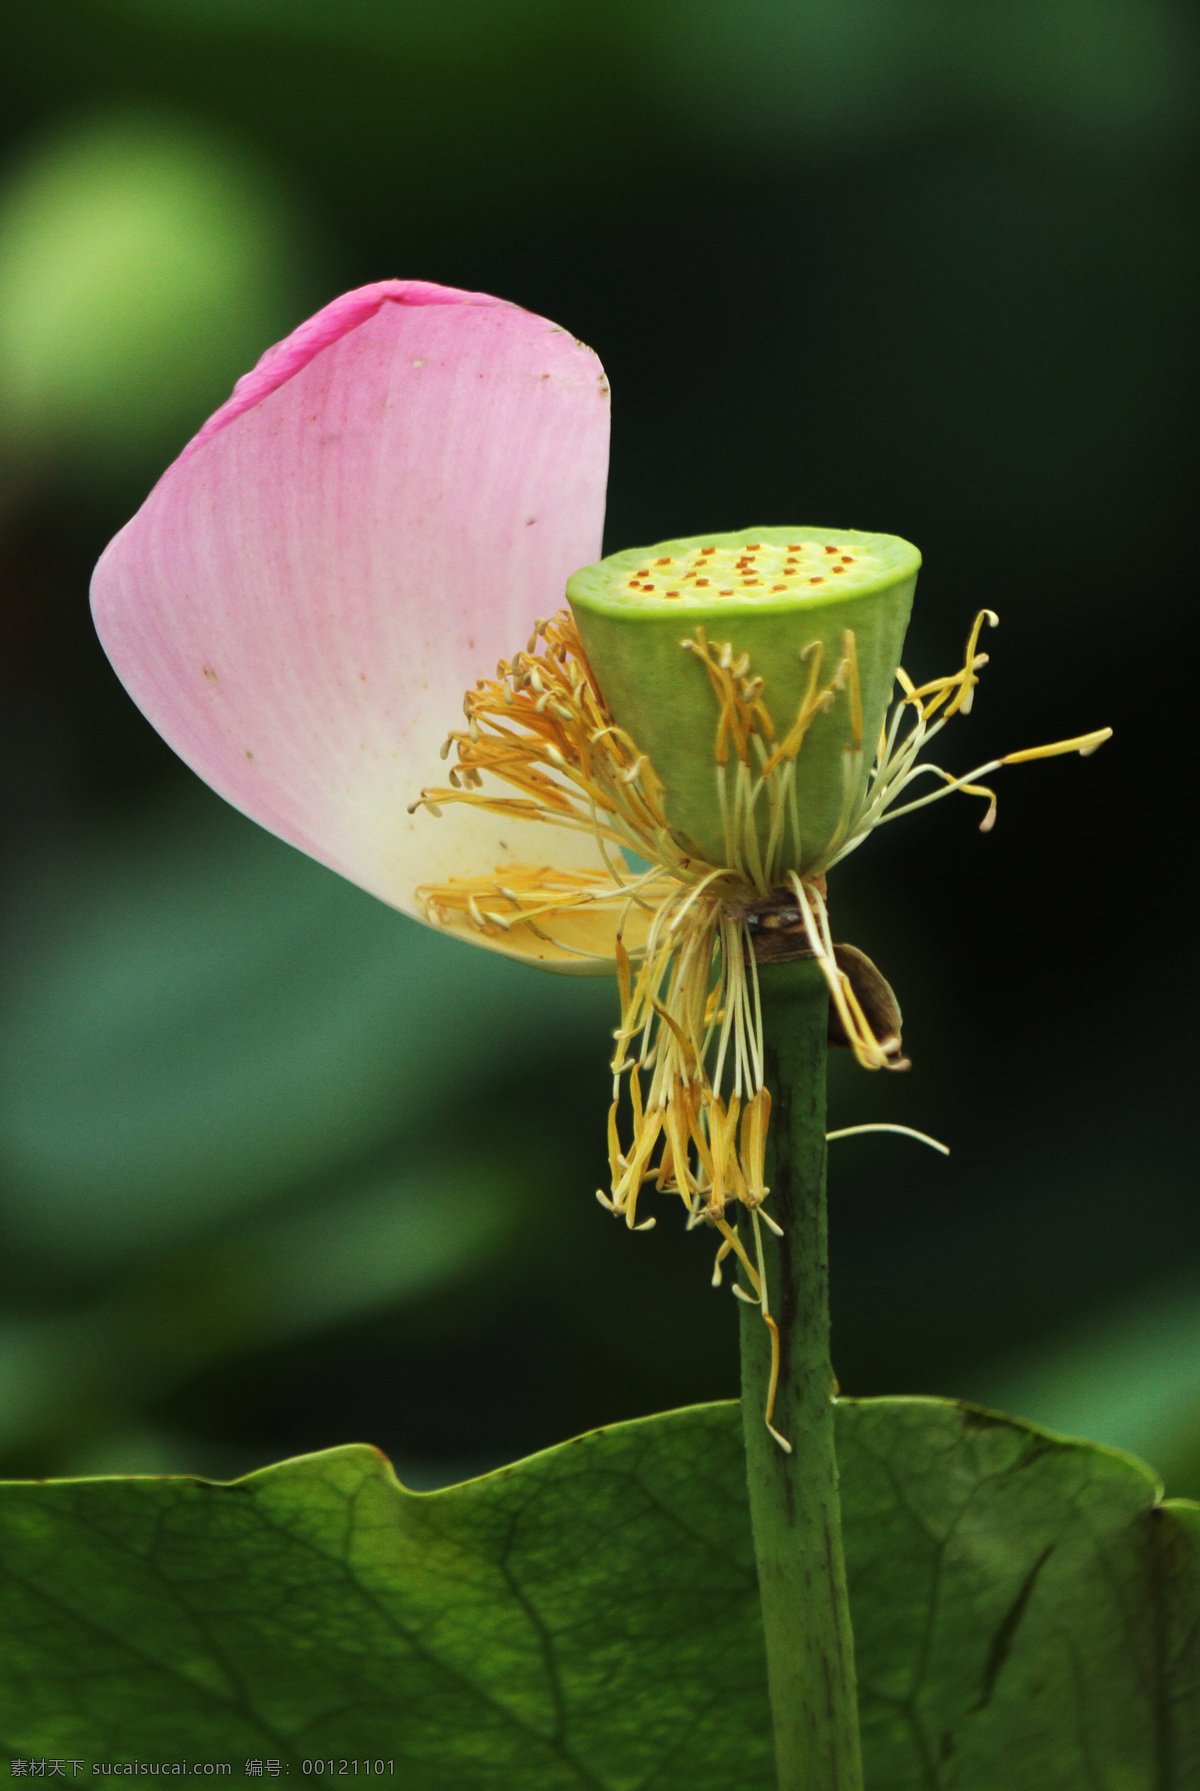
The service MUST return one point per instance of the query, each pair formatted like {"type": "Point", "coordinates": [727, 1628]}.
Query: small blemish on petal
{"type": "Point", "coordinates": [209, 673]}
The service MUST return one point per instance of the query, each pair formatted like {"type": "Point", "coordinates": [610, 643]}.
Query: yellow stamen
{"type": "Point", "coordinates": [883, 1125]}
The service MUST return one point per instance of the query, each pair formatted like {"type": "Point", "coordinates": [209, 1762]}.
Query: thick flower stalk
{"type": "Point", "coordinates": [655, 786]}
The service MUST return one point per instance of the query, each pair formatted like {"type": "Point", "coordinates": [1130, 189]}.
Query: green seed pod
{"type": "Point", "coordinates": [819, 614]}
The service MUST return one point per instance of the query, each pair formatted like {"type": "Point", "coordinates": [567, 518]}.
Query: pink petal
{"type": "Point", "coordinates": [376, 516]}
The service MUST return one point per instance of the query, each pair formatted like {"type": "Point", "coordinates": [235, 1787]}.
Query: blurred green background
{"type": "Point", "coordinates": [280, 1169]}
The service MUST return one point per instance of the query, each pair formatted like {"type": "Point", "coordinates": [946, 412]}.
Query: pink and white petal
{"type": "Point", "coordinates": [379, 514]}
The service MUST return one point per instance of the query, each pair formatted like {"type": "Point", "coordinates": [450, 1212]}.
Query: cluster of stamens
{"type": "Point", "coordinates": [757, 569]}
{"type": "Point", "coordinates": [689, 1050]}
{"type": "Point", "coordinates": [542, 727]}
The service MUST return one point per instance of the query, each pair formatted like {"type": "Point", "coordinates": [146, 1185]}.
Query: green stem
{"type": "Point", "coordinates": [794, 1504]}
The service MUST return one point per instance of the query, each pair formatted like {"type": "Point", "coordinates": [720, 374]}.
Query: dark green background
{"type": "Point", "coordinates": [278, 1170]}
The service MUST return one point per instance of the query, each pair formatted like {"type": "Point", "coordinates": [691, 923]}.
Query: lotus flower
{"type": "Point", "coordinates": [387, 506]}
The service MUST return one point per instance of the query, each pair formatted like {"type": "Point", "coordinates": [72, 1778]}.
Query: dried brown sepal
{"type": "Point", "coordinates": [878, 1002]}
{"type": "Point", "coordinates": [779, 935]}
